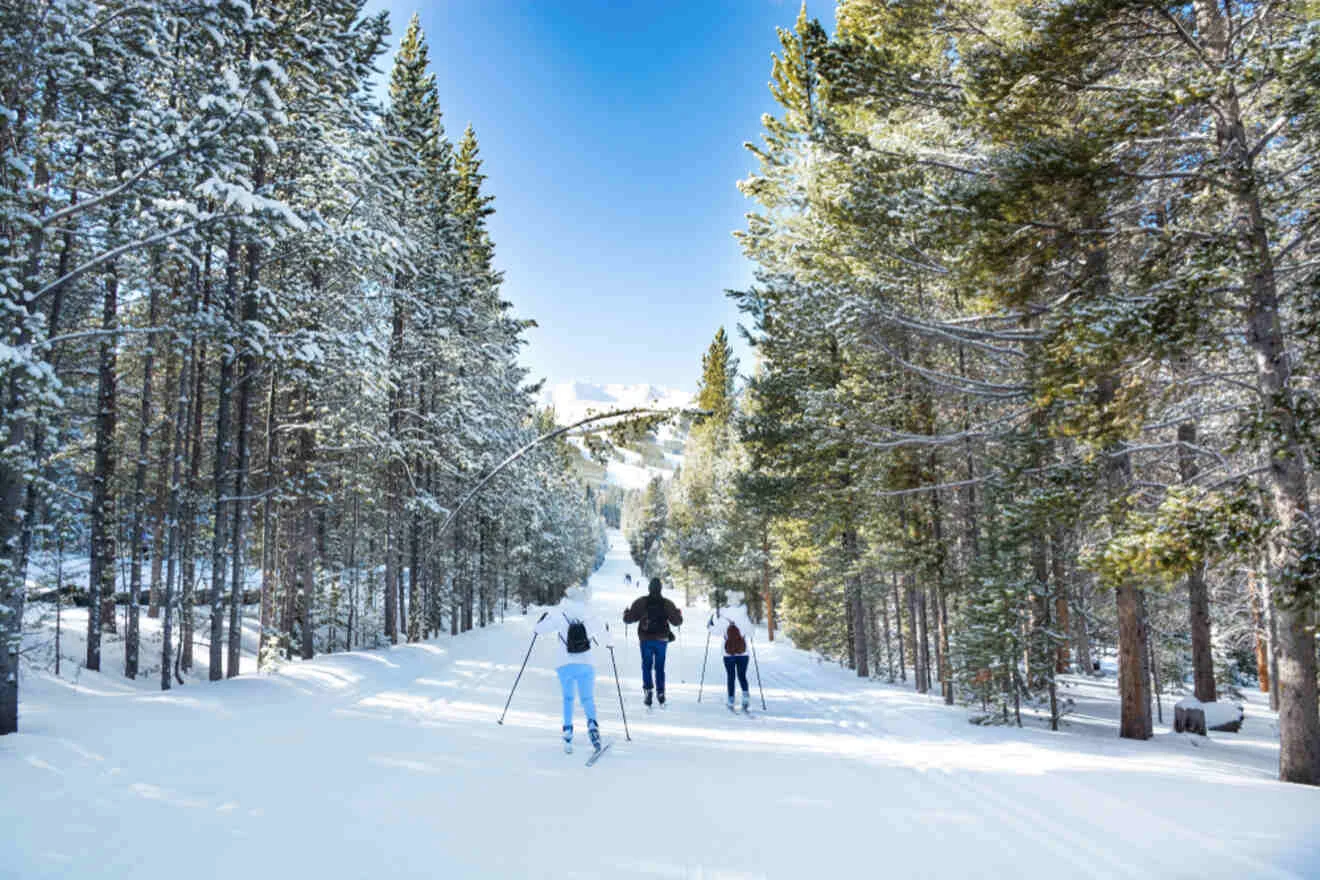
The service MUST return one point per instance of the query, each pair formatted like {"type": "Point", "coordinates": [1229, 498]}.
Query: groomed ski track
{"type": "Point", "coordinates": [389, 763]}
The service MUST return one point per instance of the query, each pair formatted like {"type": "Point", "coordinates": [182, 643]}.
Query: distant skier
{"type": "Point", "coordinates": [653, 615]}
{"type": "Point", "coordinates": [732, 627]}
{"type": "Point", "coordinates": [576, 632]}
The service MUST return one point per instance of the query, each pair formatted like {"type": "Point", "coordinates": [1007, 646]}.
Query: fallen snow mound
{"type": "Point", "coordinates": [1217, 715]}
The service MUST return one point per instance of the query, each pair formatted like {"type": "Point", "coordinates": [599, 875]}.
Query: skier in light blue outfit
{"type": "Point", "coordinates": [577, 636]}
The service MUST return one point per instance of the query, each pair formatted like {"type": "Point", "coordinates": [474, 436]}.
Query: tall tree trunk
{"type": "Point", "coordinates": [889, 647]}
{"type": "Point", "coordinates": [914, 624]}
{"type": "Point", "coordinates": [852, 556]}
{"type": "Point", "coordinates": [1059, 577]}
{"type": "Point", "coordinates": [286, 540]}
{"type": "Point", "coordinates": [223, 441]}
{"type": "Point", "coordinates": [175, 528]}
{"type": "Point", "coordinates": [1040, 631]}
{"type": "Point", "coordinates": [1198, 596]}
{"type": "Point", "coordinates": [414, 567]}
{"type": "Point", "coordinates": [944, 662]}
{"type": "Point", "coordinates": [1153, 664]}
{"type": "Point", "coordinates": [1133, 674]}
{"type": "Point", "coordinates": [1082, 626]}
{"type": "Point", "coordinates": [923, 604]}
{"type": "Point", "coordinates": [1272, 631]}
{"type": "Point", "coordinates": [943, 666]}
{"type": "Point", "coordinates": [401, 603]}
{"type": "Point", "coordinates": [454, 617]}
{"type": "Point", "coordinates": [12, 484]}
{"type": "Point", "coordinates": [140, 481]}
{"type": "Point", "coordinates": [1286, 480]}
{"type": "Point", "coordinates": [849, 625]}
{"type": "Point", "coordinates": [161, 490]}
{"type": "Point", "coordinates": [464, 567]}
{"type": "Point", "coordinates": [391, 573]}
{"type": "Point", "coordinates": [305, 537]}
{"type": "Point", "coordinates": [1258, 631]}
{"type": "Point", "coordinates": [307, 565]}
{"type": "Point", "coordinates": [1134, 680]}
{"type": "Point", "coordinates": [898, 630]}
{"type": "Point", "coordinates": [1038, 658]}
{"type": "Point", "coordinates": [765, 582]}
{"type": "Point", "coordinates": [192, 489]}
{"type": "Point", "coordinates": [268, 555]}
{"type": "Point", "coordinates": [244, 383]}
{"type": "Point", "coordinates": [353, 580]}
{"type": "Point", "coordinates": [394, 473]}
{"type": "Point", "coordinates": [104, 527]}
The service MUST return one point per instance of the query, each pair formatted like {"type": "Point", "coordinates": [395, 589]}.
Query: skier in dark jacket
{"type": "Point", "coordinates": [653, 615]}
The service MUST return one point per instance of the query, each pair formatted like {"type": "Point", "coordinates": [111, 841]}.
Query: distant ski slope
{"type": "Point", "coordinates": [389, 763]}
{"type": "Point", "coordinates": [573, 401]}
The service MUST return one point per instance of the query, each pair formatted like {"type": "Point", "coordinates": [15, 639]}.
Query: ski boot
{"type": "Point", "coordinates": [646, 700]}
{"type": "Point", "coordinates": [730, 702]}
{"type": "Point", "coordinates": [593, 731]}
{"type": "Point", "coordinates": [568, 739]}
{"type": "Point", "coordinates": [747, 700]}
{"type": "Point", "coordinates": [660, 695]}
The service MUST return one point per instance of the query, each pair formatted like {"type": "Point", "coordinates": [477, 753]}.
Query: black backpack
{"type": "Point", "coordinates": [578, 642]}
{"type": "Point", "coordinates": [656, 616]}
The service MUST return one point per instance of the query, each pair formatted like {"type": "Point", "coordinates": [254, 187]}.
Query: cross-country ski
{"type": "Point", "coordinates": [597, 753]}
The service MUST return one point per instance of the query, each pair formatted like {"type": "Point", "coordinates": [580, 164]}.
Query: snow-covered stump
{"type": "Point", "coordinates": [1188, 720]}
{"type": "Point", "coordinates": [1190, 715]}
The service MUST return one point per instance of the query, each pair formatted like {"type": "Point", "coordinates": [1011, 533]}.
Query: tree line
{"type": "Point", "coordinates": [253, 340]}
{"type": "Point", "coordinates": [1034, 319]}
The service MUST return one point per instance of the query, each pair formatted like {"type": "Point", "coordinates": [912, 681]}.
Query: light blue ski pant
{"type": "Point", "coordinates": [583, 677]}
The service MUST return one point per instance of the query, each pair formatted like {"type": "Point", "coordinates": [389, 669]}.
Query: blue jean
{"type": "Point", "coordinates": [739, 665]}
{"type": "Point", "coordinates": [653, 654]}
{"type": "Point", "coordinates": [583, 677]}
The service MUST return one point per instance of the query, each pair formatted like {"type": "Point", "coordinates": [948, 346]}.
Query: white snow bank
{"type": "Point", "coordinates": [1216, 714]}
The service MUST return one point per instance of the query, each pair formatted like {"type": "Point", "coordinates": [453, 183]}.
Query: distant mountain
{"type": "Point", "coordinates": [577, 400]}
{"type": "Point", "coordinates": [634, 467]}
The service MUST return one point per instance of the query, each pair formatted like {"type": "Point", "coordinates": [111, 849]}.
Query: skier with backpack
{"type": "Point", "coordinates": [653, 615]}
{"type": "Point", "coordinates": [733, 629]}
{"type": "Point", "coordinates": [576, 634]}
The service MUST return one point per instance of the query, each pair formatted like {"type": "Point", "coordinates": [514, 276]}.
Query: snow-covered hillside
{"type": "Point", "coordinates": [577, 400]}
{"type": "Point", "coordinates": [390, 763]}
{"type": "Point", "coordinates": [631, 468]}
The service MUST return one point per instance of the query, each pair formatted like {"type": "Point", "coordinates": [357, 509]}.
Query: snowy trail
{"type": "Point", "coordinates": [390, 762]}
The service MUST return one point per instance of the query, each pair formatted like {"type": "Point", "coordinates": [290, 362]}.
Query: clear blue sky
{"type": "Point", "coordinates": [612, 133]}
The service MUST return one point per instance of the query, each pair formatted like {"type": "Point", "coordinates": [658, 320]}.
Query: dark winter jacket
{"type": "Point", "coordinates": [637, 613]}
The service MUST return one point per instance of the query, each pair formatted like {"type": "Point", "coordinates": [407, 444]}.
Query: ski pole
{"type": "Point", "coordinates": [520, 672]}
{"type": "Point", "coordinates": [704, 658]}
{"type": "Point", "coordinates": [758, 673]}
{"type": "Point", "coordinates": [678, 650]}
{"type": "Point", "coordinates": [619, 688]}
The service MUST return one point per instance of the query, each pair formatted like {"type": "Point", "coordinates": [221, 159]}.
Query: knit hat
{"type": "Point", "coordinates": [654, 587]}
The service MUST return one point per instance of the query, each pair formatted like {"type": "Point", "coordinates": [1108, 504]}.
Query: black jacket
{"type": "Point", "coordinates": [636, 613]}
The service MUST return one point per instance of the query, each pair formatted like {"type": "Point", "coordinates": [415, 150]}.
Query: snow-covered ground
{"type": "Point", "coordinates": [390, 763]}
